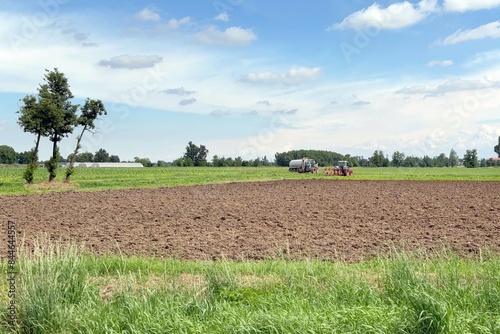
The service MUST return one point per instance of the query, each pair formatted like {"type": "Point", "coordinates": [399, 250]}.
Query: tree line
{"type": "Point", "coordinates": [398, 159]}
{"type": "Point", "coordinates": [197, 156]}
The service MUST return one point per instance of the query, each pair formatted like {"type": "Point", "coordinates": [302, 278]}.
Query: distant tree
{"type": "Point", "coordinates": [82, 157]}
{"type": "Point", "coordinates": [55, 97]}
{"type": "Point", "coordinates": [178, 162]}
{"type": "Point", "coordinates": [217, 162]}
{"type": "Point", "coordinates": [470, 159]}
{"type": "Point", "coordinates": [24, 157]}
{"type": "Point", "coordinates": [89, 113]}
{"type": "Point", "coordinates": [101, 156]}
{"type": "Point", "coordinates": [441, 161]}
{"type": "Point", "coordinates": [7, 155]}
{"type": "Point", "coordinates": [197, 155]}
{"type": "Point", "coordinates": [114, 158]}
{"type": "Point", "coordinates": [398, 159]}
{"type": "Point", "coordinates": [453, 159]}
{"type": "Point", "coordinates": [238, 162]}
{"type": "Point", "coordinates": [411, 161]}
{"type": "Point", "coordinates": [257, 162]}
{"type": "Point", "coordinates": [377, 159]}
{"type": "Point", "coordinates": [144, 161]}
{"type": "Point", "coordinates": [162, 163]}
{"type": "Point", "coordinates": [497, 147]}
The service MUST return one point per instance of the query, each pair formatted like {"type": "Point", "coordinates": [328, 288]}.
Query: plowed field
{"type": "Point", "coordinates": [326, 219]}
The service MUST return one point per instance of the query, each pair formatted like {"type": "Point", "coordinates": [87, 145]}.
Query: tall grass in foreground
{"type": "Point", "coordinates": [66, 291]}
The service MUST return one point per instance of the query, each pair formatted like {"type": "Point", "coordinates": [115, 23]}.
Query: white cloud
{"type": "Point", "coordinates": [397, 15]}
{"type": "Point", "coordinates": [491, 30]}
{"type": "Point", "coordinates": [219, 112]}
{"type": "Point", "coordinates": [90, 45]}
{"type": "Point", "coordinates": [449, 86]}
{"type": "Point", "coordinates": [222, 17]}
{"type": "Point", "coordinates": [230, 36]}
{"type": "Point", "coordinates": [185, 102]}
{"type": "Point", "coordinates": [465, 5]}
{"type": "Point", "coordinates": [361, 103]}
{"type": "Point", "coordinates": [178, 91]}
{"type": "Point", "coordinates": [443, 63]}
{"type": "Point", "coordinates": [174, 24]}
{"type": "Point", "coordinates": [131, 62]}
{"type": "Point", "coordinates": [484, 57]}
{"type": "Point", "coordinates": [294, 76]}
{"type": "Point", "coordinates": [147, 14]}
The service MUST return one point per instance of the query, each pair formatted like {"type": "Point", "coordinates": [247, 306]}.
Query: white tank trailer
{"type": "Point", "coordinates": [304, 165]}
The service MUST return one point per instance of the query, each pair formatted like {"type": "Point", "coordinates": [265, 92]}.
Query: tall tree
{"type": "Point", "coordinates": [497, 147]}
{"type": "Point", "coordinates": [34, 119]}
{"type": "Point", "coordinates": [55, 96]}
{"type": "Point", "coordinates": [398, 158]}
{"type": "Point", "coordinates": [198, 155]}
{"type": "Point", "coordinates": [470, 159]}
{"type": "Point", "coordinates": [89, 113]}
{"type": "Point", "coordinates": [378, 159]}
{"type": "Point", "coordinates": [453, 159]}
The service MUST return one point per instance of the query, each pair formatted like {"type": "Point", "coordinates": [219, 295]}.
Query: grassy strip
{"type": "Point", "coordinates": [117, 178]}
{"type": "Point", "coordinates": [65, 291]}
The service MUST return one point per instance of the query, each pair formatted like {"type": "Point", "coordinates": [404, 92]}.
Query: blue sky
{"type": "Point", "coordinates": [252, 78]}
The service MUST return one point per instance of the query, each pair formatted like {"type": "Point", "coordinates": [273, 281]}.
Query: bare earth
{"type": "Point", "coordinates": [325, 219]}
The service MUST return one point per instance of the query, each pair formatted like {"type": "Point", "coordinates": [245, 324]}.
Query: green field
{"type": "Point", "coordinates": [11, 181]}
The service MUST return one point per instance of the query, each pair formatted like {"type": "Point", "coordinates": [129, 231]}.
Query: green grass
{"type": "Point", "coordinates": [11, 181]}
{"type": "Point", "coordinates": [65, 291]}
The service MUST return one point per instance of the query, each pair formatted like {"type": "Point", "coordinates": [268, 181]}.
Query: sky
{"type": "Point", "coordinates": [251, 78]}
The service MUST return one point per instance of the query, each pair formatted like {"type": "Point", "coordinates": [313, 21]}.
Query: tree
{"type": "Point", "coordinates": [114, 158]}
{"type": "Point", "coordinates": [55, 95]}
{"type": "Point", "coordinates": [101, 156]}
{"type": "Point", "coordinates": [377, 159]}
{"type": "Point", "coordinates": [84, 157]}
{"type": "Point", "coordinates": [497, 147]}
{"type": "Point", "coordinates": [470, 159]}
{"type": "Point", "coordinates": [198, 155]}
{"type": "Point", "coordinates": [453, 159]}
{"type": "Point", "coordinates": [441, 161]}
{"type": "Point", "coordinates": [398, 159]}
{"type": "Point", "coordinates": [24, 157]}
{"type": "Point", "coordinates": [89, 113]}
{"type": "Point", "coordinates": [33, 119]}
{"type": "Point", "coordinates": [7, 155]}
{"type": "Point", "coordinates": [144, 161]}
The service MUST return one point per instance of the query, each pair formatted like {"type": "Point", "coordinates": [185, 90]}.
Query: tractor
{"type": "Point", "coordinates": [304, 165]}
{"type": "Point", "coordinates": [342, 168]}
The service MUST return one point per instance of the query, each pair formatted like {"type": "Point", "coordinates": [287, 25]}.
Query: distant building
{"type": "Point", "coordinates": [106, 164]}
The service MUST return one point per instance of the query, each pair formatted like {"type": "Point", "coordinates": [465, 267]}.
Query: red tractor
{"type": "Point", "coordinates": [342, 168]}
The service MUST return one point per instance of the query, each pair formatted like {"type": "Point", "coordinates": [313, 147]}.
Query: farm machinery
{"type": "Point", "coordinates": [304, 165]}
{"type": "Point", "coordinates": [342, 168]}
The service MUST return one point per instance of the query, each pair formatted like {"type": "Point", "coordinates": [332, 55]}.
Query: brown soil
{"type": "Point", "coordinates": [326, 219]}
